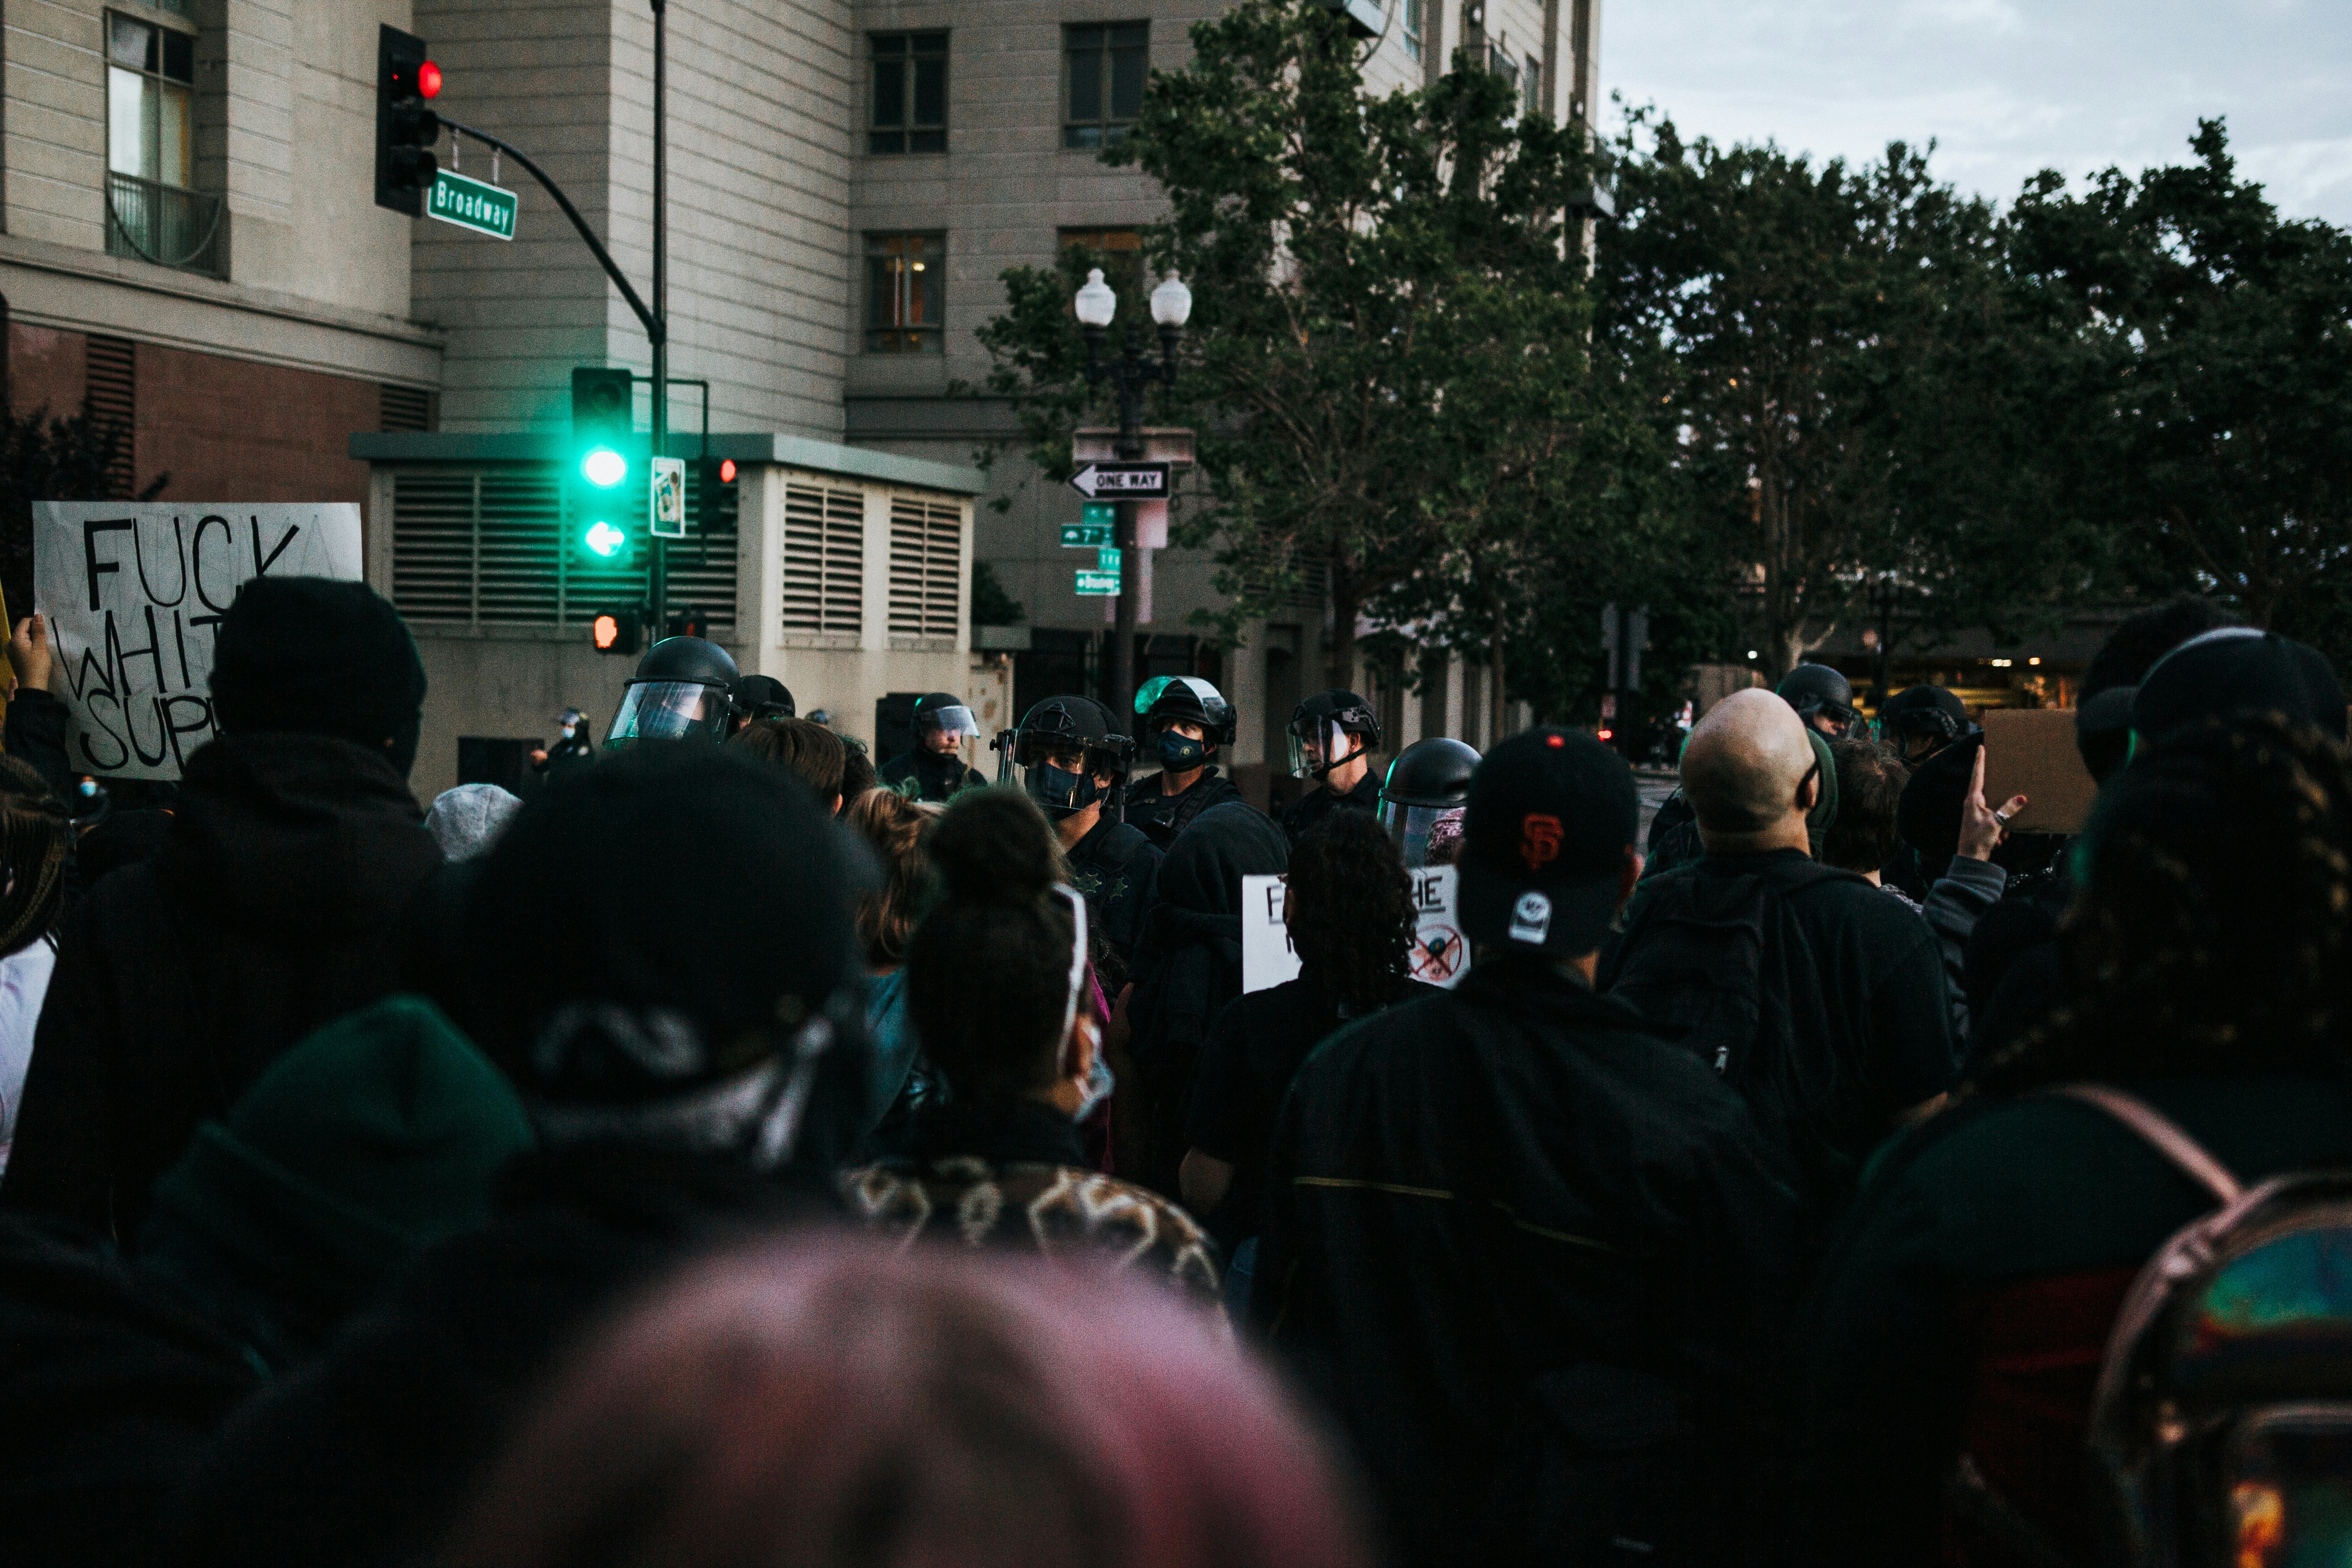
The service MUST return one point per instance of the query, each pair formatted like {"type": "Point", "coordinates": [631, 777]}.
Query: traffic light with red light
{"type": "Point", "coordinates": [621, 630]}
{"type": "Point", "coordinates": [405, 131]}
{"type": "Point", "coordinates": [714, 495]}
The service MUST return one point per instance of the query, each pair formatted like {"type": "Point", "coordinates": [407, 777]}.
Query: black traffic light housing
{"type": "Point", "coordinates": [602, 411]}
{"type": "Point", "coordinates": [618, 629]}
{"type": "Point", "coordinates": [405, 131]}
{"type": "Point", "coordinates": [714, 488]}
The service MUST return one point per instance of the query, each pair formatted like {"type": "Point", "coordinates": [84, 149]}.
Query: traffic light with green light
{"type": "Point", "coordinates": [602, 426]}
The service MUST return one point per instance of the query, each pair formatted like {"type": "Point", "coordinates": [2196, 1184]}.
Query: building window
{"type": "Point", "coordinates": [1500, 60]}
{"type": "Point", "coordinates": [1412, 24]}
{"type": "Point", "coordinates": [1105, 67]}
{"type": "Point", "coordinates": [150, 75]}
{"type": "Point", "coordinates": [1120, 253]}
{"type": "Point", "coordinates": [1531, 88]}
{"type": "Point", "coordinates": [911, 93]}
{"type": "Point", "coordinates": [906, 293]}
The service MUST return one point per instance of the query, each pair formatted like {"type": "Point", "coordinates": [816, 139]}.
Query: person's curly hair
{"type": "Point", "coordinates": [2212, 925]}
{"type": "Point", "coordinates": [1869, 780]}
{"type": "Point", "coordinates": [1351, 914]}
{"type": "Point", "coordinates": [894, 826]}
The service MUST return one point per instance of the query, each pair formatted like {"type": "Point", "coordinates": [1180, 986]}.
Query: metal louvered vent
{"type": "Point", "coordinates": [926, 556]}
{"type": "Point", "coordinates": [489, 547]}
{"type": "Point", "coordinates": [824, 566]}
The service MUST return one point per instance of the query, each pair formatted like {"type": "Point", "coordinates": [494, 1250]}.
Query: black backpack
{"type": "Point", "coordinates": [1720, 965]}
{"type": "Point", "coordinates": [2221, 1430]}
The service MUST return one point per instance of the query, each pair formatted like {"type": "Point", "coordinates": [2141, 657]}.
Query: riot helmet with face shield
{"type": "Point", "coordinates": [1823, 699]}
{"type": "Point", "coordinates": [1168, 705]}
{"type": "Point", "coordinates": [1921, 721]}
{"type": "Point", "coordinates": [1329, 729]}
{"type": "Point", "coordinates": [1065, 747]}
{"type": "Point", "coordinates": [944, 724]}
{"type": "Point", "coordinates": [1424, 796]}
{"type": "Point", "coordinates": [684, 690]}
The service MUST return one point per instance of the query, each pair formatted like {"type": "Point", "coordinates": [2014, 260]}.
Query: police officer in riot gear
{"type": "Point", "coordinates": [1921, 721]}
{"type": "Point", "coordinates": [1073, 760]}
{"type": "Point", "coordinates": [1332, 737]}
{"type": "Point", "coordinates": [764, 697]}
{"type": "Point", "coordinates": [571, 744]}
{"type": "Point", "coordinates": [1185, 719]}
{"type": "Point", "coordinates": [684, 690]}
{"type": "Point", "coordinates": [935, 769]}
{"type": "Point", "coordinates": [1421, 799]}
{"type": "Point", "coordinates": [1822, 698]}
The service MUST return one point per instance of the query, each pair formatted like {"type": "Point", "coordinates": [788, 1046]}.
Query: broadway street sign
{"type": "Point", "coordinates": [1127, 481]}
{"type": "Point", "coordinates": [472, 204]}
{"type": "Point", "coordinates": [1103, 585]}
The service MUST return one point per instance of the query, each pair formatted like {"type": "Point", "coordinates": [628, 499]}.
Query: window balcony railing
{"type": "Point", "coordinates": [163, 224]}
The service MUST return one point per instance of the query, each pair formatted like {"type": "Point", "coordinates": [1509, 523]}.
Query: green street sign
{"type": "Point", "coordinates": [476, 204]}
{"type": "Point", "coordinates": [1085, 535]}
{"type": "Point", "coordinates": [1100, 584]}
{"type": "Point", "coordinates": [1106, 560]}
{"type": "Point", "coordinates": [1100, 513]}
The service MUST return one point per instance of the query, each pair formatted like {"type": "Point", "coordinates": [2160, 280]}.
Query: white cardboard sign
{"type": "Point", "coordinates": [1267, 957]}
{"type": "Point", "coordinates": [131, 592]}
{"type": "Point", "coordinates": [1439, 955]}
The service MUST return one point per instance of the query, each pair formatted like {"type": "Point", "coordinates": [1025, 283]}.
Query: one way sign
{"type": "Point", "coordinates": [1128, 482]}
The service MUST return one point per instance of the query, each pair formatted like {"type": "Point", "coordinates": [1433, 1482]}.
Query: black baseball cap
{"type": "Point", "coordinates": [1550, 815]}
{"type": "Point", "coordinates": [2234, 671]}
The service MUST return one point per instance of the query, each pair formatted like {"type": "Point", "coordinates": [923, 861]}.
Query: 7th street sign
{"type": "Point", "coordinates": [476, 204]}
{"type": "Point", "coordinates": [1126, 482]}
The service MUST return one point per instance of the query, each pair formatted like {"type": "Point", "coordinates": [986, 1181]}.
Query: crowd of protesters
{"type": "Point", "coordinates": [743, 1153]}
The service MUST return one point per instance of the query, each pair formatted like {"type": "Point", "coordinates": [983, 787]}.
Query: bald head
{"type": "Point", "coordinates": [1742, 771]}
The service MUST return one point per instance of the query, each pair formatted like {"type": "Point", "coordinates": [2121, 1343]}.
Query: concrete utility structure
{"type": "Point", "coordinates": [190, 244]}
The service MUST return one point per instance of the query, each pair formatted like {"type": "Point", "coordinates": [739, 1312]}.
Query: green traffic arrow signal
{"type": "Point", "coordinates": [605, 540]}
{"type": "Point", "coordinates": [603, 468]}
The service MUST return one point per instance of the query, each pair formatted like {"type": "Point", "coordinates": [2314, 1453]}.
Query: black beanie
{"type": "Point", "coordinates": [319, 656]}
{"type": "Point", "coordinates": [651, 929]}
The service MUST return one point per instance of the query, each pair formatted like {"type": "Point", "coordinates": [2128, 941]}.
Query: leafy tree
{"type": "Point", "coordinates": [1360, 267]}
{"type": "Point", "coordinates": [77, 458]}
{"type": "Point", "coordinates": [1835, 370]}
{"type": "Point", "coordinates": [2218, 441]}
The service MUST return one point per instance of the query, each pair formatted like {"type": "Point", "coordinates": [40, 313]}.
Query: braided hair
{"type": "Point", "coordinates": [36, 838]}
{"type": "Point", "coordinates": [2213, 918]}
{"type": "Point", "coordinates": [1352, 911]}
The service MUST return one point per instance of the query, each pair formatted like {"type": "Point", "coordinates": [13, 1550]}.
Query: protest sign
{"type": "Point", "coordinates": [2031, 752]}
{"type": "Point", "coordinates": [131, 592]}
{"type": "Point", "coordinates": [1439, 955]}
{"type": "Point", "coordinates": [1267, 957]}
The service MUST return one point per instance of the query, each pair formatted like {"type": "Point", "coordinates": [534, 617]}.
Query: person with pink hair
{"type": "Point", "coordinates": [832, 1402]}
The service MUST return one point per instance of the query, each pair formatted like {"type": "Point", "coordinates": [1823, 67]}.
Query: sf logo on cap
{"type": "Point", "coordinates": [1539, 840]}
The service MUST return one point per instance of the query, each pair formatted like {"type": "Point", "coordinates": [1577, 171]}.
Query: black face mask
{"type": "Point", "coordinates": [1180, 752]}
{"type": "Point", "coordinates": [1059, 791]}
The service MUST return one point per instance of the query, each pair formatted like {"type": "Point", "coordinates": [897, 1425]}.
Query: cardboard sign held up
{"type": "Point", "coordinates": [2031, 752]}
{"type": "Point", "coordinates": [133, 592]}
{"type": "Point", "coordinates": [1267, 957]}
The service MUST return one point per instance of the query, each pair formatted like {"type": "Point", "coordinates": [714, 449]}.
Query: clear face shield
{"type": "Point", "coordinates": [1055, 772]}
{"type": "Point", "coordinates": [1316, 745]}
{"type": "Point", "coordinates": [1425, 834]}
{"type": "Point", "coordinates": [669, 710]}
{"type": "Point", "coordinates": [951, 732]}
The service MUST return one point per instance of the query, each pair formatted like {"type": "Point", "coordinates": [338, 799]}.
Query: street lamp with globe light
{"type": "Point", "coordinates": [1131, 375]}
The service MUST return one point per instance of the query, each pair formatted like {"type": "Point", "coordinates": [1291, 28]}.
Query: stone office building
{"type": "Point", "coordinates": [191, 245]}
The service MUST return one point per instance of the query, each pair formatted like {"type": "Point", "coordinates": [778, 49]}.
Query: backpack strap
{"type": "Point", "coordinates": [2160, 1134]}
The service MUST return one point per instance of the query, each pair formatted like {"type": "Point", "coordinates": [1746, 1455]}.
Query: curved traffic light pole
{"type": "Point", "coordinates": [656, 333]}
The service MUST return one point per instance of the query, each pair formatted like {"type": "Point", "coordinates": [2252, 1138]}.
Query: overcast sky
{"type": "Point", "coordinates": [2007, 87]}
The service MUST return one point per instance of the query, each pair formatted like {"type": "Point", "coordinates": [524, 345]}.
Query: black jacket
{"type": "Point", "coordinates": [1164, 816]}
{"type": "Point", "coordinates": [1114, 866]}
{"type": "Point", "coordinates": [1536, 1262]}
{"type": "Point", "coordinates": [276, 906]}
{"type": "Point", "coordinates": [37, 723]}
{"type": "Point", "coordinates": [113, 1381]}
{"type": "Point", "coordinates": [1319, 803]}
{"type": "Point", "coordinates": [1190, 966]}
{"type": "Point", "coordinates": [926, 775]}
{"type": "Point", "coordinates": [366, 1456]}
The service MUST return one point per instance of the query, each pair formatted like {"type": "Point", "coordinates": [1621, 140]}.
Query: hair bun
{"type": "Point", "coordinates": [993, 846]}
